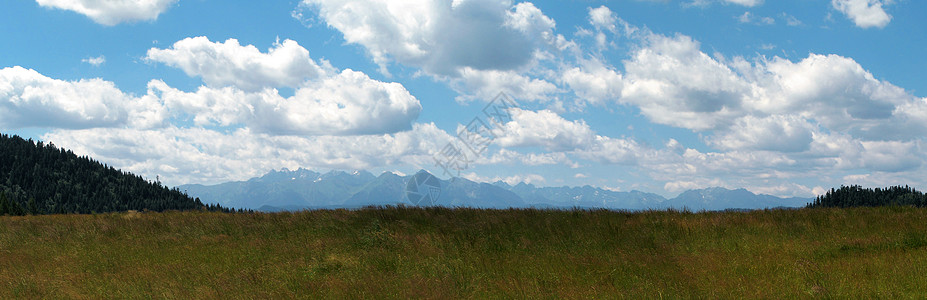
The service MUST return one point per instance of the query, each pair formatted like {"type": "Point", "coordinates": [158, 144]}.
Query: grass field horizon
{"type": "Point", "coordinates": [400, 252]}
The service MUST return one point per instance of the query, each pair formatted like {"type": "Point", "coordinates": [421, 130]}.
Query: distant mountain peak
{"type": "Point", "coordinates": [341, 189]}
{"type": "Point", "coordinates": [388, 174]}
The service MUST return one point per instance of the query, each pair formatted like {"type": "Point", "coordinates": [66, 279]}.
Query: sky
{"type": "Point", "coordinates": [785, 97]}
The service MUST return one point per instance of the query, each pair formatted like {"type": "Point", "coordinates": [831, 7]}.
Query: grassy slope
{"type": "Point", "coordinates": [402, 252]}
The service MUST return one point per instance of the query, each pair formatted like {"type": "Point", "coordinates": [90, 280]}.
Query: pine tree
{"type": "Point", "coordinates": [58, 181]}
{"type": "Point", "coordinates": [33, 207]}
{"type": "Point", "coordinates": [16, 209]}
{"type": "Point", "coordinates": [4, 204]}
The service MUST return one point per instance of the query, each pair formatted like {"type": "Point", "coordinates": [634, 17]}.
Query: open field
{"type": "Point", "coordinates": [440, 253]}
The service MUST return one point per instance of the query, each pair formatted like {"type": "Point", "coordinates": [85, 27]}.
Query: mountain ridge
{"type": "Point", "coordinates": [306, 189]}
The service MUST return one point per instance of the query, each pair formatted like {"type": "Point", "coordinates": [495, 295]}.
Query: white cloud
{"type": "Point", "coordinates": [865, 13]}
{"type": "Point", "coordinates": [527, 178]}
{"type": "Point", "coordinates": [616, 151]}
{"type": "Point", "coordinates": [892, 156]}
{"type": "Point", "coordinates": [681, 186]}
{"type": "Point", "coordinates": [95, 61]}
{"type": "Point", "coordinates": [784, 190]}
{"type": "Point", "coordinates": [441, 37]}
{"type": "Point", "coordinates": [772, 119]}
{"type": "Point", "coordinates": [350, 103]}
{"type": "Point", "coordinates": [486, 84]}
{"type": "Point", "coordinates": [820, 115]}
{"type": "Point", "coordinates": [28, 98]}
{"type": "Point", "coordinates": [603, 18]}
{"type": "Point", "coordinates": [287, 64]}
{"type": "Point", "coordinates": [239, 91]}
{"type": "Point", "coordinates": [748, 17]}
{"type": "Point", "coordinates": [693, 164]}
{"type": "Point", "coordinates": [675, 84]}
{"type": "Point", "coordinates": [510, 180]}
{"type": "Point", "coordinates": [198, 155]}
{"type": "Point", "coordinates": [544, 129]}
{"type": "Point", "coordinates": [880, 179]}
{"type": "Point", "coordinates": [113, 12]}
{"type": "Point", "coordinates": [345, 104]}
{"type": "Point", "coordinates": [784, 133]}
{"type": "Point", "coordinates": [791, 20]}
{"type": "Point", "coordinates": [594, 82]}
{"type": "Point", "coordinates": [506, 156]}
{"type": "Point", "coordinates": [530, 21]}
{"type": "Point", "coordinates": [837, 92]}
{"type": "Point", "coordinates": [479, 47]}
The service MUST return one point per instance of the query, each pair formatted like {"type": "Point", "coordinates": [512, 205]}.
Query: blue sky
{"type": "Point", "coordinates": [781, 97]}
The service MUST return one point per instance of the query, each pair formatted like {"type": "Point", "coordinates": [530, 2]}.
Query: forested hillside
{"type": "Point", "coordinates": [39, 178]}
{"type": "Point", "coordinates": [854, 195]}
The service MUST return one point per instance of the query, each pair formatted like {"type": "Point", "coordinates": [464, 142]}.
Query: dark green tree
{"type": "Point", "coordinates": [55, 180]}
{"type": "Point", "coordinates": [33, 207]}
{"type": "Point", "coordinates": [4, 204]}
{"type": "Point", "coordinates": [854, 195]}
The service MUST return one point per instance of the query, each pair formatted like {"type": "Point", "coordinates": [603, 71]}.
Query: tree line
{"type": "Point", "coordinates": [854, 195]}
{"type": "Point", "coordinates": [39, 178]}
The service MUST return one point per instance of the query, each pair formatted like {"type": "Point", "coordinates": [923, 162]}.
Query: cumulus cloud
{"type": "Point", "coordinates": [784, 133]}
{"type": "Point", "coordinates": [837, 92]}
{"type": "Point", "coordinates": [770, 119]}
{"type": "Point", "coordinates": [484, 85]}
{"type": "Point", "coordinates": [864, 13]}
{"type": "Point", "coordinates": [603, 18]}
{"type": "Point", "coordinates": [479, 47]}
{"type": "Point", "coordinates": [506, 156]}
{"type": "Point", "coordinates": [112, 12]}
{"type": "Point", "coordinates": [441, 37]}
{"type": "Point", "coordinates": [345, 104]}
{"type": "Point", "coordinates": [773, 119]}
{"type": "Point", "coordinates": [674, 83]}
{"type": "Point", "coordinates": [892, 156]}
{"type": "Point", "coordinates": [544, 129]}
{"type": "Point", "coordinates": [609, 150]}
{"type": "Point", "coordinates": [30, 99]}
{"type": "Point", "coordinates": [594, 82]}
{"type": "Point", "coordinates": [287, 64]}
{"type": "Point", "coordinates": [199, 155]}
{"type": "Point", "coordinates": [240, 83]}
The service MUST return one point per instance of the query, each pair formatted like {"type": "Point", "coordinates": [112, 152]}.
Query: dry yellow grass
{"type": "Point", "coordinates": [447, 253]}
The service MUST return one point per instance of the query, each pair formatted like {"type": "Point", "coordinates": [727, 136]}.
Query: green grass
{"type": "Point", "coordinates": [448, 253]}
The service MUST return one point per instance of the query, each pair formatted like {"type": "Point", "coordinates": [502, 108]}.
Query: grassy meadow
{"type": "Point", "coordinates": [470, 253]}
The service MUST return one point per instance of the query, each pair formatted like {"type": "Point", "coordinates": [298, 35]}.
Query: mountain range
{"type": "Point", "coordinates": [306, 189]}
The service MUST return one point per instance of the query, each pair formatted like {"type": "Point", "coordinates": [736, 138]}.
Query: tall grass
{"type": "Point", "coordinates": [441, 253]}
